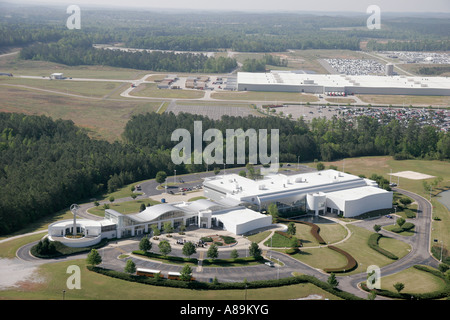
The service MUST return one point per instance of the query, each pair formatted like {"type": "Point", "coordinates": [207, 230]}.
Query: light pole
{"type": "Point", "coordinates": [298, 163]}
{"type": "Point", "coordinates": [175, 177]}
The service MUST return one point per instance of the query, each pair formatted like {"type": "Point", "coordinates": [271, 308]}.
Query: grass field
{"type": "Point", "coordinates": [98, 287]}
{"type": "Point", "coordinates": [406, 100]}
{"type": "Point", "coordinates": [265, 96]}
{"type": "Point", "coordinates": [415, 281]}
{"type": "Point", "coordinates": [357, 246]}
{"type": "Point", "coordinates": [103, 118]}
{"type": "Point", "coordinates": [151, 90]}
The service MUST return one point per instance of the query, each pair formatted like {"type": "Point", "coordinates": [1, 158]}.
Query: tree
{"type": "Point", "coordinates": [189, 249]}
{"type": "Point", "coordinates": [94, 258]}
{"type": "Point", "coordinates": [234, 254]}
{"type": "Point", "coordinates": [400, 221]}
{"type": "Point", "coordinates": [133, 195]}
{"type": "Point", "coordinates": [161, 176]}
{"type": "Point", "coordinates": [164, 247]}
{"type": "Point", "coordinates": [168, 228]}
{"type": "Point", "coordinates": [372, 295]}
{"type": "Point", "coordinates": [186, 273]}
{"type": "Point", "coordinates": [292, 229]}
{"type": "Point", "coordinates": [273, 211]}
{"type": "Point", "coordinates": [332, 281]}
{"type": "Point", "coordinates": [145, 244]}
{"type": "Point", "coordinates": [213, 251]}
{"type": "Point", "coordinates": [130, 266]}
{"type": "Point", "coordinates": [254, 250]}
{"type": "Point", "coordinates": [155, 230]}
{"type": "Point", "coordinates": [320, 166]}
{"type": "Point", "coordinates": [399, 286]}
{"type": "Point", "coordinates": [142, 207]}
{"type": "Point", "coordinates": [377, 228]}
{"type": "Point", "coordinates": [111, 199]}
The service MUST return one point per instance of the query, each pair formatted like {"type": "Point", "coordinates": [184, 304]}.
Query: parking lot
{"type": "Point", "coordinates": [357, 66]}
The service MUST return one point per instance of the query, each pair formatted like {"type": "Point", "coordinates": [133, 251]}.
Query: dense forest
{"type": "Point", "coordinates": [216, 31]}
{"type": "Point", "coordinates": [46, 164]}
{"type": "Point", "coordinates": [78, 50]}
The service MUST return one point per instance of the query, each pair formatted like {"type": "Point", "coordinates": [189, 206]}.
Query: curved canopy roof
{"type": "Point", "coordinates": [154, 212]}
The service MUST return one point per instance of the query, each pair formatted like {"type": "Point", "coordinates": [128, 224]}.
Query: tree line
{"type": "Point", "coordinates": [75, 51]}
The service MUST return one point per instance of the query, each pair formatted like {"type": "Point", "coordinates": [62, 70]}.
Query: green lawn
{"type": "Point", "coordinates": [357, 246]}
{"type": "Point", "coordinates": [98, 287]}
{"type": "Point", "coordinates": [415, 281]}
{"type": "Point", "coordinates": [125, 207]}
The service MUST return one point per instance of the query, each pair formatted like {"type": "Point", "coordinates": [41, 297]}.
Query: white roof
{"type": "Point", "coordinates": [153, 212]}
{"type": "Point", "coordinates": [237, 216]}
{"type": "Point", "coordinates": [339, 80]}
{"type": "Point", "coordinates": [238, 187]}
{"type": "Point", "coordinates": [356, 193]}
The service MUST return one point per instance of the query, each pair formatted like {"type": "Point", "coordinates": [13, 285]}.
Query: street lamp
{"type": "Point", "coordinates": [175, 177]}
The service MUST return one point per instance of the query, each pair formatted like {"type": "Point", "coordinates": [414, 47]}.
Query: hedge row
{"type": "Point", "coordinates": [415, 296]}
{"type": "Point", "coordinates": [225, 286]}
{"type": "Point", "coordinates": [314, 229]}
{"type": "Point", "coordinates": [351, 262]}
{"type": "Point", "coordinates": [61, 250]}
{"type": "Point", "coordinates": [169, 258]}
{"type": "Point", "coordinates": [373, 243]}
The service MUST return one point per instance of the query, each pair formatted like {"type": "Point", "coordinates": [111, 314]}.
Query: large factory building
{"type": "Point", "coordinates": [289, 81]}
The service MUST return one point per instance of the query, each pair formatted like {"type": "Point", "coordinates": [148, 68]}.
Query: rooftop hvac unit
{"type": "Point", "coordinates": [262, 187]}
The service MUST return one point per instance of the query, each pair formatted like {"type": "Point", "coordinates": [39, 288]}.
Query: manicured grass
{"type": "Point", "coordinates": [125, 207]}
{"type": "Point", "coordinates": [415, 281]}
{"type": "Point", "coordinates": [264, 96]}
{"type": "Point", "coordinates": [406, 100]}
{"type": "Point", "coordinates": [356, 246]}
{"type": "Point", "coordinates": [99, 287]}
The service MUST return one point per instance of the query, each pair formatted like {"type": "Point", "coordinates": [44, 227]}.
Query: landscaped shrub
{"type": "Point", "coordinates": [408, 226]}
{"type": "Point", "coordinates": [373, 243]}
{"type": "Point", "coordinates": [397, 229]}
{"type": "Point", "coordinates": [169, 258]}
{"type": "Point", "coordinates": [351, 262]}
{"type": "Point", "coordinates": [227, 285]}
{"type": "Point", "coordinates": [228, 239]}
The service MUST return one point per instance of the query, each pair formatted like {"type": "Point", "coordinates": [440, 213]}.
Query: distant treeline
{"type": "Point", "coordinates": [46, 165]}
{"type": "Point", "coordinates": [237, 31]}
{"type": "Point", "coordinates": [76, 50]}
{"type": "Point", "coordinates": [259, 65]}
{"type": "Point", "coordinates": [320, 139]}
{"type": "Point", "coordinates": [422, 45]}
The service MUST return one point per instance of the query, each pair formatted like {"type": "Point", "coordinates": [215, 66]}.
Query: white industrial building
{"type": "Point", "coordinates": [288, 81]}
{"type": "Point", "coordinates": [316, 192]}
{"type": "Point", "coordinates": [237, 204]}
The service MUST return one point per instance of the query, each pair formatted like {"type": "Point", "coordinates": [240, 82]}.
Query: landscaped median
{"type": "Point", "coordinates": [246, 261]}
{"type": "Point", "coordinates": [216, 285]}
